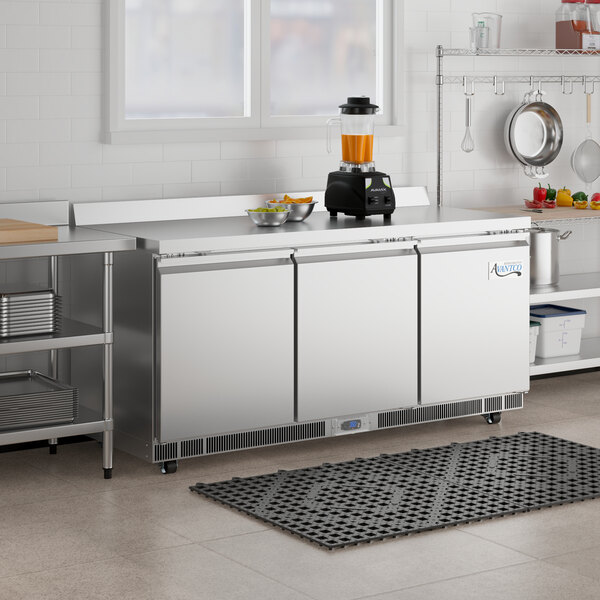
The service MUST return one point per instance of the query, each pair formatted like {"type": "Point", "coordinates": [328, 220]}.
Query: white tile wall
{"type": "Point", "coordinates": [38, 130]}
{"type": "Point", "coordinates": [51, 116]}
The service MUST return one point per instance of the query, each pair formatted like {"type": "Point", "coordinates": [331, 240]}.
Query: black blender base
{"type": "Point", "coordinates": [334, 213]}
{"type": "Point", "coordinates": [359, 194]}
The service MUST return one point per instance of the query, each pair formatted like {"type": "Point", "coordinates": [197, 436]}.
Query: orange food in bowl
{"type": "Point", "coordinates": [289, 200]}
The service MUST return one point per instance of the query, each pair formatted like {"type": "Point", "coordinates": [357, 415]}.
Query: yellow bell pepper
{"type": "Point", "coordinates": [563, 197]}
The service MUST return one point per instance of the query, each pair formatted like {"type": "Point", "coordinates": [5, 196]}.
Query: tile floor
{"type": "Point", "coordinates": [66, 533]}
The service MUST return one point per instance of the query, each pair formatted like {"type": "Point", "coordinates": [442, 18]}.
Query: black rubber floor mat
{"type": "Point", "coordinates": [365, 500]}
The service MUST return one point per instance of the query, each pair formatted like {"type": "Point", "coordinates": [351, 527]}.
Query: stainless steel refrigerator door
{"type": "Point", "coordinates": [474, 321]}
{"type": "Point", "coordinates": [225, 345]}
{"type": "Point", "coordinates": [356, 332]}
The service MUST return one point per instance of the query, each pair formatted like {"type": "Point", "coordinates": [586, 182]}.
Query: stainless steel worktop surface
{"type": "Point", "coordinates": [71, 240]}
{"type": "Point", "coordinates": [231, 233]}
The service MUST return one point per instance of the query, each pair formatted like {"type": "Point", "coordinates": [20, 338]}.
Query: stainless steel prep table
{"type": "Point", "coordinates": [349, 348]}
{"type": "Point", "coordinates": [71, 241]}
{"type": "Point", "coordinates": [230, 233]}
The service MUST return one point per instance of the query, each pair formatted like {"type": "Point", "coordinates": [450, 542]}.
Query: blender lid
{"type": "Point", "coordinates": [359, 105]}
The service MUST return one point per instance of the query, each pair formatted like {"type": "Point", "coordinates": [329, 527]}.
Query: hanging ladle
{"type": "Point", "coordinates": [585, 160]}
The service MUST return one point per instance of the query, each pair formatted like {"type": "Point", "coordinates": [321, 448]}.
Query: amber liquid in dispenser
{"type": "Point", "coordinates": [357, 148]}
{"type": "Point", "coordinates": [569, 34]}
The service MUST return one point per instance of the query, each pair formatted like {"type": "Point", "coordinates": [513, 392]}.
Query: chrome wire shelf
{"type": "Point", "coordinates": [498, 81]}
{"type": "Point", "coordinates": [514, 52]}
{"type": "Point", "coordinates": [562, 79]}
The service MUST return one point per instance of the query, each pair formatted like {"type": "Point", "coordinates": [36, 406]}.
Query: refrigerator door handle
{"type": "Point", "coordinates": [224, 260]}
{"type": "Point", "coordinates": [424, 250]}
{"type": "Point", "coordinates": [472, 240]}
{"type": "Point", "coordinates": [353, 251]}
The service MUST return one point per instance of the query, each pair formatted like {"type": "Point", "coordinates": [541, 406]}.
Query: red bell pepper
{"type": "Point", "coordinates": [539, 194]}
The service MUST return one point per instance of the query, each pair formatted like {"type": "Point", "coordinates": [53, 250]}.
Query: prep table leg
{"type": "Point", "coordinates": [107, 434]}
{"type": "Point", "coordinates": [53, 276]}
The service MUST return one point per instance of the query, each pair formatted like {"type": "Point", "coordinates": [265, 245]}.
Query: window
{"type": "Point", "coordinates": [187, 70]}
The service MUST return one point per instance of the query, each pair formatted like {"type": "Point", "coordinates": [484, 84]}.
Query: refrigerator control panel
{"type": "Point", "coordinates": [350, 425]}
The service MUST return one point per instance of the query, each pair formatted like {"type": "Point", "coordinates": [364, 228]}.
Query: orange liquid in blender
{"type": "Point", "coordinates": [357, 148]}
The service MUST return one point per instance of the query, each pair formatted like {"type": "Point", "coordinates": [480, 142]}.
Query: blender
{"type": "Point", "coordinates": [357, 189]}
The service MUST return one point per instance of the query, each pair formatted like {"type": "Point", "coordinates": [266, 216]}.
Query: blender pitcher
{"type": "Point", "coordinates": [357, 121]}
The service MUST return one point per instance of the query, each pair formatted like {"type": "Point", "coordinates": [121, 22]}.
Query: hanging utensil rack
{"type": "Point", "coordinates": [498, 82]}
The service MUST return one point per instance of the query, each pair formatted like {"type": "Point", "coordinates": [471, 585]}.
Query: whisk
{"type": "Point", "coordinates": [468, 145]}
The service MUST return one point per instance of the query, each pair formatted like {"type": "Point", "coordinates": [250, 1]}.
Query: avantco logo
{"type": "Point", "coordinates": [500, 270]}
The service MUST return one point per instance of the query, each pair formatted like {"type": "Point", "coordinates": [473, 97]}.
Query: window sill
{"type": "Point", "coordinates": [233, 134]}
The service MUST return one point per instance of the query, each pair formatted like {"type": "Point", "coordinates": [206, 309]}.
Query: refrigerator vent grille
{"type": "Point", "coordinates": [264, 437]}
{"type": "Point", "coordinates": [191, 448]}
{"type": "Point", "coordinates": [423, 414]}
{"type": "Point", "coordinates": [164, 452]}
{"type": "Point", "coordinates": [513, 401]}
{"type": "Point", "coordinates": [493, 404]}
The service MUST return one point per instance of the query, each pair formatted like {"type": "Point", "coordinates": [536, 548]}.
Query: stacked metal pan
{"type": "Point", "coordinates": [30, 399]}
{"type": "Point", "coordinates": [29, 313]}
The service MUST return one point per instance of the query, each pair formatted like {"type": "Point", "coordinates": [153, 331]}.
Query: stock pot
{"type": "Point", "coordinates": [544, 255]}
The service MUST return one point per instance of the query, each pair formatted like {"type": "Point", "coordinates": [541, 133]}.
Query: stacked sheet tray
{"type": "Point", "coordinates": [30, 399]}
{"type": "Point", "coordinates": [29, 313]}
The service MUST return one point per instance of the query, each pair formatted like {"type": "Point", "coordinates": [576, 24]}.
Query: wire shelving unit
{"type": "Point", "coordinates": [499, 81]}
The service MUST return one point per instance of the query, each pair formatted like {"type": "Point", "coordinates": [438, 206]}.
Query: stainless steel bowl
{"type": "Point", "coordinates": [268, 219]}
{"type": "Point", "coordinates": [298, 210]}
{"type": "Point", "coordinates": [534, 134]}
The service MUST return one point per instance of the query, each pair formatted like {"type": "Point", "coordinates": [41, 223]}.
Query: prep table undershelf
{"type": "Point", "coordinates": [72, 334]}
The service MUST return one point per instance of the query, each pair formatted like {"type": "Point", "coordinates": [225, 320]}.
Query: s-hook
{"type": "Point", "coordinates": [499, 93]}
{"type": "Point", "coordinates": [465, 86]}
{"type": "Point", "coordinates": [563, 83]}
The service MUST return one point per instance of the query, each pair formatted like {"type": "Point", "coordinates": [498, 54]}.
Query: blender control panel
{"type": "Point", "coordinates": [378, 191]}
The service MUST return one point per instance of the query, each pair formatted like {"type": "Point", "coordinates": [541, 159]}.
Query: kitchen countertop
{"type": "Point", "coordinates": [71, 240]}
{"type": "Point", "coordinates": [231, 233]}
{"type": "Point", "coordinates": [559, 213]}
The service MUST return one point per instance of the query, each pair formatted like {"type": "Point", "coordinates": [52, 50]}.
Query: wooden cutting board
{"type": "Point", "coordinates": [22, 232]}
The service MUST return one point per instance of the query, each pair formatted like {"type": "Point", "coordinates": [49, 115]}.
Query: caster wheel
{"type": "Point", "coordinates": [53, 448]}
{"type": "Point", "coordinates": [108, 473]}
{"type": "Point", "coordinates": [493, 418]}
{"type": "Point", "coordinates": [168, 467]}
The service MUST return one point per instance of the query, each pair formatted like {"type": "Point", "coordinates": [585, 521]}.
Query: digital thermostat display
{"type": "Point", "coordinates": [351, 425]}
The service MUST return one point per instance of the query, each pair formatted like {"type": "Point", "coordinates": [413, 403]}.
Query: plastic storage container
{"type": "Point", "coordinates": [560, 329]}
{"type": "Point", "coordinates": [493, 22]}
{"type": "Point", "coordinates": [534, 330]}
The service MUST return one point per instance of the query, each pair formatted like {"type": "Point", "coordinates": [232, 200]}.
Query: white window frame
{"type": "Point", "coordinates": [258, 124]}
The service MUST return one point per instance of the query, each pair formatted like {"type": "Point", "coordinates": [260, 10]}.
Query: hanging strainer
{"type": "Point", "coordinates": [585, 160]}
